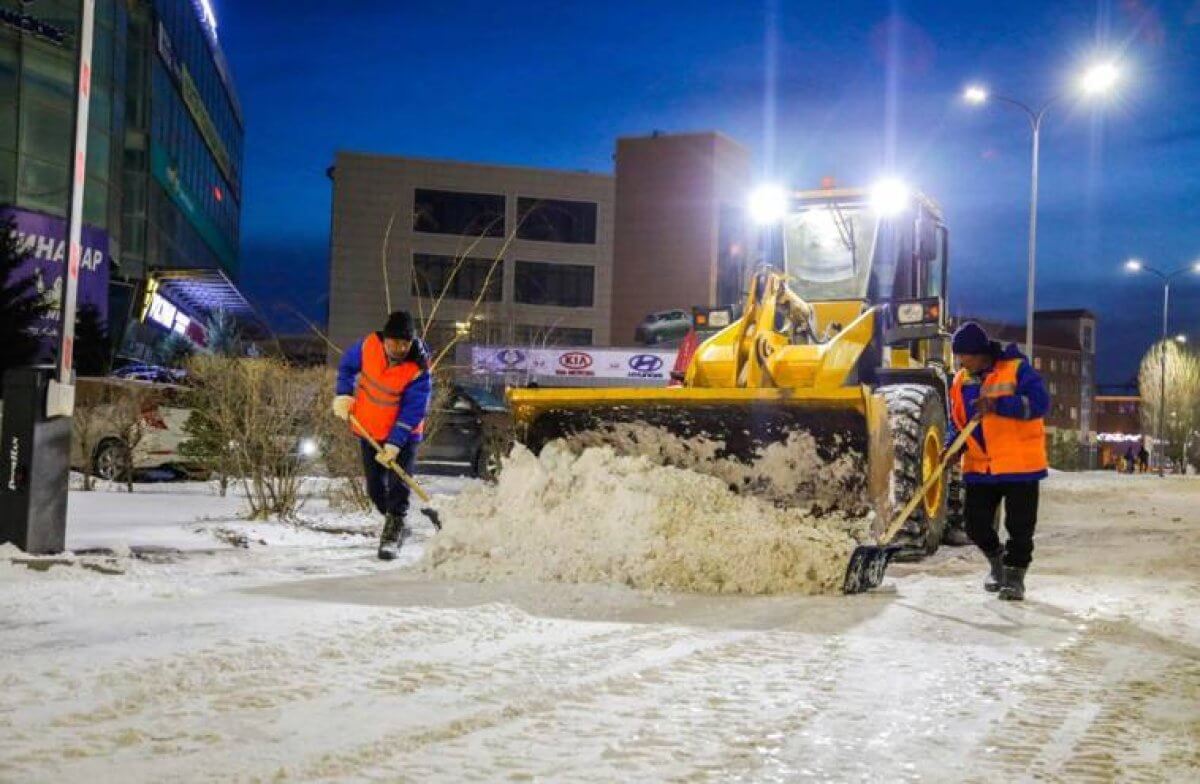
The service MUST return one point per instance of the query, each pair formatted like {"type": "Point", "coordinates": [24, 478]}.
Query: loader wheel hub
{"type": "Point", "coordinates": [931, 449]}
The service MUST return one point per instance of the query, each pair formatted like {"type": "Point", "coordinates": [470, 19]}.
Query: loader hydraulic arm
{"type": "Point", "coordinates": [762, 331]}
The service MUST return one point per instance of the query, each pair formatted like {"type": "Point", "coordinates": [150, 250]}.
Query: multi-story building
{"type": "Point", "coordinates": [679, 236]}
{"type": "Point", "coordinates": [163, 195]}
{"type": "Point", "coordinates": [498, 254]}
{"type": "Point", "coordinates": [1118, 421]}
{"type": "Point", "coordinates": [1064, 352]}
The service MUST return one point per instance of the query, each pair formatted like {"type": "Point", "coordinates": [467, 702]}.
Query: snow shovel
{"type": "Point", "coordinates": [868, 562]}
{"type": "Point", "coordinates": [400, 472]}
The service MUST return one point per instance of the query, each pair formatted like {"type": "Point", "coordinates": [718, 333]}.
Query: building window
{"type": "Point", "coordinates": [434, 274]}
{"type": "Point", "coordinates": [466, 214]}
{"type": "Point", "coordinates": [1037, 363]}
{"type": "Point", "coordinates": [554, 220]}
{"type": "Point", "coordinates": [1087, 337]}
{"type": "Point", "coordinates": [1053, 388]}
{"type": "Point", "coordinates": [538, 335]}
{"type": "Point", "coordinates": [1074, 413]}
{"type": "Point", "coordinates": [565, 285]}
{"type": "Point", "coordinates": [1053, 365]}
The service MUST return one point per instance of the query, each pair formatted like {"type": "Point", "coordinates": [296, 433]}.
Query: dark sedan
{"type": "Point", "coordinates": [470, 430]}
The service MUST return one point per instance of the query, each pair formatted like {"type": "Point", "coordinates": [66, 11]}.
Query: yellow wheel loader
{"type": "Point", "coordinates": [847, 343]}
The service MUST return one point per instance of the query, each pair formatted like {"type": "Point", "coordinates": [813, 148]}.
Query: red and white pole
{"type": "Point", "coordinates": [61, 393]}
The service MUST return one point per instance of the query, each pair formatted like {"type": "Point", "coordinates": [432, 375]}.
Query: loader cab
{"type": "Point", "coordinates": [845, 250]}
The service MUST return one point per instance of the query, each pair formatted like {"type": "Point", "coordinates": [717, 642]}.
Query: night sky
{"type": "Point", "coordinates": [849, 89]}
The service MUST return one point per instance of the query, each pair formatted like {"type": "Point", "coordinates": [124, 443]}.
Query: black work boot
{"type": "Point", "coordinates": [995, 577]}
{"type": "Point", "coordinates": [1013, 589]}
{"type": "Point", "coordinates": [392, 537]}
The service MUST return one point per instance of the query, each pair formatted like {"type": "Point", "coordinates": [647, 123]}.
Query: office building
{"type": "Point", "coordinates": [679, 236]}
{"type": "Point", "coordinates": [501, 254]}
{"type": "Point", "coordinates": [163, 194]}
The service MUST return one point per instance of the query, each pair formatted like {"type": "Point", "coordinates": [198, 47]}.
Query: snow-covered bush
{"type": "Point", "coordinates": [249, 417]}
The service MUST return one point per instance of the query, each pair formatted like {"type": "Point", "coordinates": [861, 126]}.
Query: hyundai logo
{"type": "Point", "coordinates": [576, 360]}
{"type": "Point", "coordinates": [645, 363]}
{"type": "Point", "coordinates": [510, 357]}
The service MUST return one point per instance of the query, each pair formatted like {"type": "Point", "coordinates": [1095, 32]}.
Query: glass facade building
{"type": "Point", "coordinates": [164, 148]}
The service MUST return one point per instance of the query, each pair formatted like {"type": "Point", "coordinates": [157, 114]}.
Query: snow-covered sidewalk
{"type": "Point", "coordinates": [271, 651]}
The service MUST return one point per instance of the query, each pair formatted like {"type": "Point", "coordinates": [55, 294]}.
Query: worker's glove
{"type": "Point", "coordinates": [984, 405]}
{"type": "Point", "coordinates": [387, 455]}
{"type": "Point", "coordinates": [342, 406]}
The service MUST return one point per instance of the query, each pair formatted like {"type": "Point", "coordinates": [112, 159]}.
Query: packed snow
{"type": "Point", "coordinates": [598, 516]}
{"type": "Point", "coordinates": [236, 651]}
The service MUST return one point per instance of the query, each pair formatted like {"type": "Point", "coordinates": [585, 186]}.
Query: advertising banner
{"type": "Point", "coordinates": [599, 363]}
{"type": "Point", "coordinates": [42, 240]}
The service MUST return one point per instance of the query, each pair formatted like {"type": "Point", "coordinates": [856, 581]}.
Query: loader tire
{"type": "Point", "coordinates": [917, 417]}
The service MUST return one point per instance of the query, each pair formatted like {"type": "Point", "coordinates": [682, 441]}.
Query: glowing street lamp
{"type": "Point", "coordinates": [974, 94]}
{"type": "Point", "coordinates": [1100, 78]}
{"type": "Point", "coordinates": [1135, 265]}
{"type": "Point", "coordinates": [1096, 80]}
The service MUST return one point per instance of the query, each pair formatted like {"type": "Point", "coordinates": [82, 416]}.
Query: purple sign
{"type": "Point", "coordinates": [42, 240]}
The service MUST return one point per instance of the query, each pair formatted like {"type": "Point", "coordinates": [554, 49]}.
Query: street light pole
{"type": "Point", "coordinates": [1098, 79]}
{"type": "Point", "coordinates": [1035, 118]}
{"type": "Point", "coordinates": [1133, 265]}
{"type": "Point", "coordinates": [1162, 374]}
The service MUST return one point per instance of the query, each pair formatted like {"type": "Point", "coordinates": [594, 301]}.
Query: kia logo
{"type": "Point", "coordinates": [576, 360]}
{"type": "Point", "coordinates": [645, 363]}
{"type": "Point", "coordinates": [510, 357]}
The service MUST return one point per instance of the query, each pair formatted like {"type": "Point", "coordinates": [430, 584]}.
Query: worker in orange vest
{"type": "Point", "coordinates": [384, 381]}
{"type": "Point", "coordinates": [1005, 457]}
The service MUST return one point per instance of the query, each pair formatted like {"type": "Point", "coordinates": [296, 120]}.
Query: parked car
{"type": "Point", "coordinates": [159, 427]}
{"type": "Point", "coordinates": [473, 430]}
{"type": "Point", "coordinates": [663, 327]}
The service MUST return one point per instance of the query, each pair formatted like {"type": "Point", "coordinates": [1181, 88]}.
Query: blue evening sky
{"type": "Point", "coordinates": [851, 89]}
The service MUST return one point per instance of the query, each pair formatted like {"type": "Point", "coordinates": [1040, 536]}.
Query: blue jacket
{"type": "Point", "coordinates": [414, 402]}
{"type": "Point", "coordinates": [1030, 401]}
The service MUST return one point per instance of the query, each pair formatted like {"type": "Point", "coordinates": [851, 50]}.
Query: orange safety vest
{"type": "Point", "coordinates": [379, 389]}
{"type": "Point", "coordinates": [1014, 446]}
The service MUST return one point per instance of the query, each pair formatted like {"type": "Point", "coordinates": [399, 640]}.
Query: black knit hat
{"type": "Point", "coordinates": [399, 325]}
{"type": "Point", "coordinates": [970, 339]}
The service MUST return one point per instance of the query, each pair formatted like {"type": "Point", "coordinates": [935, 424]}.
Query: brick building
{"type": "Point", "coordinates": [1064, 352]}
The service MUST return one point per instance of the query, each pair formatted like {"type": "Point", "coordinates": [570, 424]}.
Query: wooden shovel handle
{"type": "Point", "coordinates": [899, 520]}
{"type": "Point", "coordinates": [400, 472]}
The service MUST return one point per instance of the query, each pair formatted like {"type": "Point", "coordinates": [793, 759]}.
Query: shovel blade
{"type": "Point", "coordinates": [867, 566]}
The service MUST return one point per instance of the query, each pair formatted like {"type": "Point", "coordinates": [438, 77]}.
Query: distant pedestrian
{"type": "Point", "coordinates": [1143, 459]}
{"type": "Point", "coordinates": [1005, 458]}
{"type": "Point", "coordinates": [1131, 460]}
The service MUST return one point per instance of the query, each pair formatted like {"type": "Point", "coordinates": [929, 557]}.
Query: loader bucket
{"type": "Point", "coordinates": [725, 432]}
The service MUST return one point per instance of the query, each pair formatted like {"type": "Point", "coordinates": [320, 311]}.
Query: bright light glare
{"type": "Point", "coordinates": [889, 197]}
{"type": "Point", "coordinates": [1181, 338]}
{"type": "Point", "coordinates": [1196, 267]}
{"type": "Point", "coordinates": [1133, 265]}
{"type": "Point", "coordinates": [975, 94]}
{"type": "Point", "coordinates": [768, 204]}
{"type": "Point", "coordinates": [1099, 78]}
{"type": "Point", "coordinates": [309, 448]}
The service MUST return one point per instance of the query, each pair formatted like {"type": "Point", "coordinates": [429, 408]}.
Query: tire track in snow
{"type": "Point", "coordinates": [1088, 718]}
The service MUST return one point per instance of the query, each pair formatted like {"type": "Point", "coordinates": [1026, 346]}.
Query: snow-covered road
{"type": "Point", "coordinates": [304, 659]}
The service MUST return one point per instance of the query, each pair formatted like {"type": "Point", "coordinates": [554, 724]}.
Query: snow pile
{"type": "Point", "coordinates": [602, 517]}
{"type": "Point", "coordinates": [789, 472]}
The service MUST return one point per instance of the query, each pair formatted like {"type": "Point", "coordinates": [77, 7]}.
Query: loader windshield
{"type": "Point", "coordinates": [828, 249]}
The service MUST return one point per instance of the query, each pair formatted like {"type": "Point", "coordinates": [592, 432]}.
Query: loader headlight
{"type": "Point", "coordinates": [890, 197]}
{"type": "Point", "coordinates": [768, 204]}
{"type": "Point", "coordinates": [909, 313]}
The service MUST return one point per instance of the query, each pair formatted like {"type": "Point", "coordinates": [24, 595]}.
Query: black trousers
{"type": "Point", "coordinates": [1020, 518]}
{"type": "Point", "coordinates": [388, 491]}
